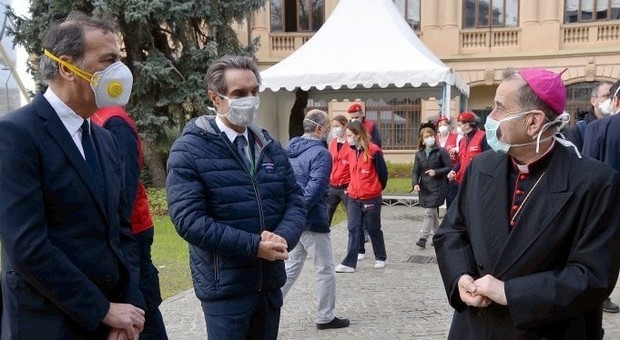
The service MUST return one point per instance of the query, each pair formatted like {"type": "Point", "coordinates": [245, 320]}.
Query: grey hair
{"type": "Point", "coordinates": [214, 79]}
{"type": "Point", "coordinates": [313, 119]}
{"type": "Point", "coordinates": [66, 38]}
{"type": "Point", "coordinates": [526, 98]}
{"type": "Point", "coordinates": [597, 87]}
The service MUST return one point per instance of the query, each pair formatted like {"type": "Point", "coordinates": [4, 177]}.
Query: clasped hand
{"type": "Point", "coordinates": [272, 247]}
{"type": "Point", "coordinates": [481, 292]}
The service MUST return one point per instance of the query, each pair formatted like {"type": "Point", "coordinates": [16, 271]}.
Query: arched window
{"type": "Point", "coordinates": [591, 10]}
{"type": "Point", "coordinates": [578, 99]}
{"type": "Point", "coordinates": [490, 13]}
{"type": "Point", "coordinates": [297, 15]}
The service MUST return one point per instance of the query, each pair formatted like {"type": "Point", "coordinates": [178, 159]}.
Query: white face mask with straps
{"type": "Point", "coordinates": [491, 126]}
{"type": "Point", "coordinates": [111, 86]}
{"type": "Point", "coordinates": [241, 111]}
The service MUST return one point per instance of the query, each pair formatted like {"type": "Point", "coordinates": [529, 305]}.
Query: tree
{"type": "Point", "coordinates": [168, 45]}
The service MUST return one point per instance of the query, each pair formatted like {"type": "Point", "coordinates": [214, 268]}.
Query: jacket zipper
{"type": "Point", "coordinates": [216, 261]}
{"type": "Point", "coordinates": [260, 212]}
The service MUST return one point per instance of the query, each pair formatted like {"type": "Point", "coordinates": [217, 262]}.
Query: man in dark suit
{"type": "Point", "coordinates": [530, 248]}
{"type": "Point", "coordinates": [69, 266]}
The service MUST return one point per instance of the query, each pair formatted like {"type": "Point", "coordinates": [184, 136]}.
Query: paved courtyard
{"type": "Point", "coordinates": [402, 301]}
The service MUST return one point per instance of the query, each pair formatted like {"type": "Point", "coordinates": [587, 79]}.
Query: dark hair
{"type": "Point", "coordinates": [66, 38]}
{"type": "Point", "coordinates": [429, 125]}
{"type": "Point", "coordinates": [214, 79]}
{"type": "Point", "coordinates": [421, 144]}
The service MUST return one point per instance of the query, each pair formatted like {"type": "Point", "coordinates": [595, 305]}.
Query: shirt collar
{"type": "Point", "coordinates": [536, 166]}
{"type": "Point", "coordinates": [230, 133]}
{"type": "Point", "coordinates": [71, 120]}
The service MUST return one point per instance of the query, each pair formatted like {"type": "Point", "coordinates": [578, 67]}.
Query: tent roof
{"type": "Point", "coordinates": [363, 42]}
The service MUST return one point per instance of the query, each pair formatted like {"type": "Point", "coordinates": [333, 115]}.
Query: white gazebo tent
{"type": "Point", "coordinates": [364, 50]}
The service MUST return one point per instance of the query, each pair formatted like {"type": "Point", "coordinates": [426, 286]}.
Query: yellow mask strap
{"type": "Point", "coordinates": [79, 72]}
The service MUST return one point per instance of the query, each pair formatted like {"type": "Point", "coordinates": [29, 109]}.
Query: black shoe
{"type": "Point", "coordinates": [336, 323]}
{"type": "Point", "coordinates": [610, 307]}
{"type": "Point", "coordinates": [421, 243]}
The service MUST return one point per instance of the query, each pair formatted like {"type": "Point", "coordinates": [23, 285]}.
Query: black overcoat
{"type": "Point", "coordinates": [433, 189]}
{"type": "Point", "coordinates": [559, 262]}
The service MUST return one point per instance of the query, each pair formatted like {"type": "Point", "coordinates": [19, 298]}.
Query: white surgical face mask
{"type": "Point", "coordinates": [460, 131]}
{"type": "Point", "coordinates": [606, 107]}
{"type": "Point", "coordinates": [351, 141]}
{"type": "Point", "coordinates": [491, 126]}
{"type": "Point", "coordinates": [443, 130]}
{"type": "Point", "coordinates": [429, 142]}
{"type": "Point", "coordinates": [337, 131]}
{"type": "Point", "coordinates": [111, 86]}
{"type": "Point", "coordinates": [241, 111]}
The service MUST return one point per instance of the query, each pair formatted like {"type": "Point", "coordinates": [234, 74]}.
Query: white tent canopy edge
{"type": "Point", "coordinates": [364, 50]}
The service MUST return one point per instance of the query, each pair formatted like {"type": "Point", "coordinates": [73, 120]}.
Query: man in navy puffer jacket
{"type": "Point", "coordinates": [233, 196]}
{"type": "Point", "coordinates": [312, 164]}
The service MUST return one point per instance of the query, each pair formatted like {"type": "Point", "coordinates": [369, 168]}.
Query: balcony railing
{"type": "Point", "coordinates": [475, 40]}
{"type": "Point", "coordinates": [595, 33]}
{"type": "Point", "coordinates": [283, 44]}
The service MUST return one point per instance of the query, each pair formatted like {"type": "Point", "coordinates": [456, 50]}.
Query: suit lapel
{"type": "Point", "coordinates": [494, 199]}
{"type": "Point", "coordinates": [536, 218]}
{"type": "Point", "coordinates": [106, 166]}
{"type": "Point", "coordinates": [61, 136]}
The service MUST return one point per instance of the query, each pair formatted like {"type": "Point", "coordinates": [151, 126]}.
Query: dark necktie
{"type": "Point", "coordinates": [92, 160]}
{"type": "Point", "coordinates": [241, 144]}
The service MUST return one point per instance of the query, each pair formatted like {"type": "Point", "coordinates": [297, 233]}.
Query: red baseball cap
{"type": "Point", "coordinates": [355, 107]}
{"type": "Point", "coordinates": [443, 119]}
{"type": "Point", "coordinates": [465, 117]}
{"type": "Point", "coordinates": [548, 86]}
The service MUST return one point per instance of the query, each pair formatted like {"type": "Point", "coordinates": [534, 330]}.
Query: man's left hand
{"type": "Point", "coordinates": [269, 236]}
{"type": "Point", "coordinates": [492, 288]}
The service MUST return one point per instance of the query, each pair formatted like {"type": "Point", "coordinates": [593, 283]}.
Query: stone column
{"type": "Point", "coordinates": [529, 12]}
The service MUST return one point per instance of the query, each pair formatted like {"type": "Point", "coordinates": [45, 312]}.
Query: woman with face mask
{"type": "Point", "coordinates": [369, 177]}
{"type": "Point", "coordinates": [432, 164]}
{"type": "Point", "coordinates": [340, 176]}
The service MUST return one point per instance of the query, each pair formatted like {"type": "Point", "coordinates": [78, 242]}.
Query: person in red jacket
{"type": "Point", "coordinates": [449, 140]}
{"type": "Point", "coordinates": [118, 122]}
{"type": "Point", "coordinates": [357, 113]}
{"type": "Point", "coordinates": [340, 175]}
{"type": "Point", "coordinates": [471, 145]}
{"type": "Point", "coordinates": [369, 177]}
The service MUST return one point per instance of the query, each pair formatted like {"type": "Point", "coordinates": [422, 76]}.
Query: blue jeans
{"type": "Point", "coordinates": [154, 327]}
{"type": "Point", "coordinates": [255, 316]}
{"type": "Point", "coordinates": [364, 213]}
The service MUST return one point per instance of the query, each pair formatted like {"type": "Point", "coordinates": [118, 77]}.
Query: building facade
{"type": "Point", "coordinates": [477, 38]}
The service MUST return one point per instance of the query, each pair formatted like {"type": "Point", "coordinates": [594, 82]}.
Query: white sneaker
{"type": "Point", "coordinates": [361, 256]}
{"type": "Point", "coordinates": [341, 268]}
{"type": "Point", "coordinates": [379, 264]}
